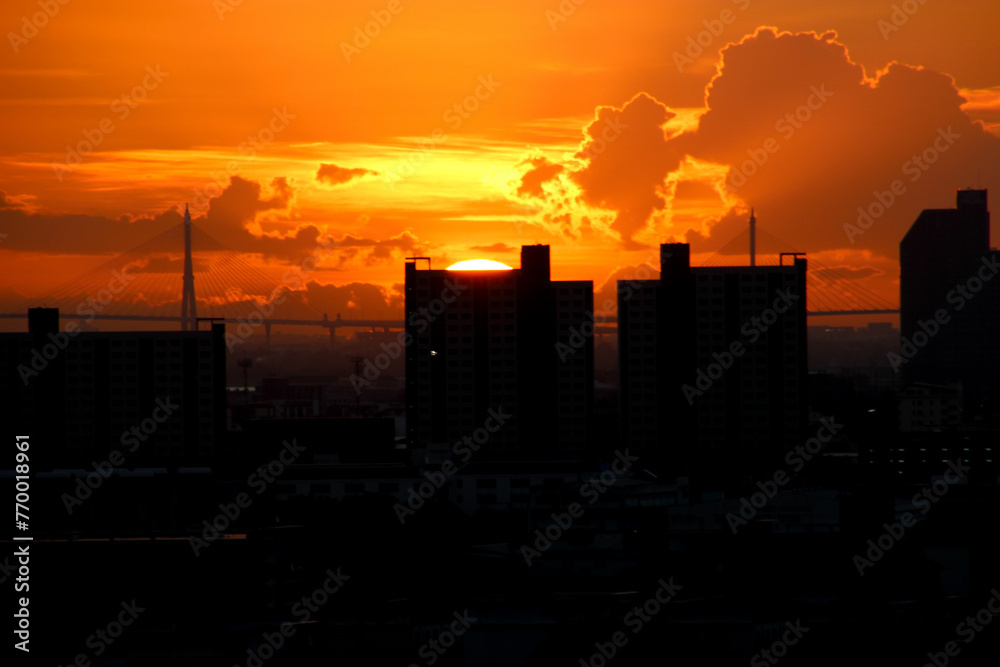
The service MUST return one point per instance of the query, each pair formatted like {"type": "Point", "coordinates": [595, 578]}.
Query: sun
{"type": "Point", "coordinates": [479, 265]}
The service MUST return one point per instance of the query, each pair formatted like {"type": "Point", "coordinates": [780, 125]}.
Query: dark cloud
{"type": "Point", "coordinates": [8, 202]}
{"type": "Point", "coordinates": [793, 127]}
{"type": "Point", "coordinates": [234, 211]}
{"type": "Point", "coordinates": [495, 248]}
{"type": "Point", "coordinates": [355, 300]}
{"type": "Point", "coordinates": [809, 137]}
{"type": "Point", "coordinates": [627, 158]}
{"type": "Point", "coordinates": [539, 170]}
{"type": "Point", "coordinates": [238, 205]}
{"type": "Point", "coordinates": [373, 251]}
{"type": "Point", "coordinates": [226, 220]}
{"type": "Point", "coordinates": [78, 234]}
{"type": "Point", "coordinates": [847, 272]}
{"type": "Point", "coordinates": [607, 293]}
{"type": "Point", "coordinates": [230, 214]}
{"type": "Point", "coordinates": [166, 264]}
{"type": "Point", "coordinates": [227, 225]}
{"type": "Point", "coordinates": [334, 175]}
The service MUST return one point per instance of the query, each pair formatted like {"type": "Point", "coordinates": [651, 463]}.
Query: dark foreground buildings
{"type": "Point", "coordinates": [948, 356]}
{"type": "Point", "coordinates": [512, 340]}
{"type": "Point", "coordinates": [713, 364]}
{"type": "Point", "coordinates": [950, 302]}
{"type": "Point", "coordinates": [158, 398]}
{"type": "Point", "coordinates": [349, 552]}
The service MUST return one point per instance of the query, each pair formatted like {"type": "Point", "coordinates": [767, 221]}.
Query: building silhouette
{"type": "Point", "coordinates": [950, 300]}
{"type": "Point", "coordinates": [713, 364]}
{"type": "Point", "coordinates": [514, 340]}
{"type": "Point", "coordinates": [84, 394]}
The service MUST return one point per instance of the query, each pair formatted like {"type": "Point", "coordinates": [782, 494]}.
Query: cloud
{"type": "Point", "coordinates": [355, 300]}
{"type": "Point", "coordinates": [378, 252]}
{"type": "Point", "coordinates": [19, 202]}
{"type": "Point", "coordinates": [540, 170]}
{"type": "Point", "coordinates": [69, 233]}
{"type": "Point", "coordinates": [607, 293]}
{"type": "Point", "coordinates": [809, 138]}
{"type": "Point", "coordinates": [167, 264]}
{"type": "Point", "coordinates": [613, 184]}
{"type": "Point", "coordinates": [334, 175]}
{"type": "Point", "coordinates": [791, 126]}
{"type": "Point", "coordinates": [232, 221]}
{"type": "Point", "coordinates": [240, 202]}
{"type": "Point", "coordinates": [308, 301]}
{"type": "Point", "coordinates": [848, 272]}
{"type": "Point", "coordinates": [495, 248]}
{"type": "Point", "coordinates": [984, 105]}
{"type": "Point", "coordinates": [627, 158]}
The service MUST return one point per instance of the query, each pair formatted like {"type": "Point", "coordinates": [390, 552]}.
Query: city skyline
{"type": "Point", "coordinates": [239, 294]}
{"type": "Point", "coordinates": [656, 150]}
{"type": "Point", "coordinates": [542, 332]}
{"type": "Point", "coordinates": [518, 471]}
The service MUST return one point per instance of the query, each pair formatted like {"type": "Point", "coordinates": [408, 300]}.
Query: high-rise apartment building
{"type": "Point", "coordinates": [158, 398]}
{"type": "Point", "coordinates": [713, 363]}
{"type": "Point", "coordinates": [950, 300]}
{"type": "Point", "coordinates": [511, 340]}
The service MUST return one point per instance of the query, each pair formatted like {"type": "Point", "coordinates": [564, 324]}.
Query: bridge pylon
{"type": "Point", "coordinates": [189, 306]}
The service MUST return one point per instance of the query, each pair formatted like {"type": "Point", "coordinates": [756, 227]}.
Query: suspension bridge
{"type": "Point", "coordinates": [828, 290]}
{"type": "Point", "coordinates": [141, 285]}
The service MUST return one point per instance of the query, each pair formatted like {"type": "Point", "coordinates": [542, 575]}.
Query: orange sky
{"type": "Point", "coordinates": [602, 131]}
